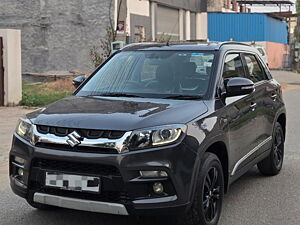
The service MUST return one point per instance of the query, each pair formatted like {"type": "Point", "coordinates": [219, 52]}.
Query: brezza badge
{"type": "Point", "coordinates": [74, 139]}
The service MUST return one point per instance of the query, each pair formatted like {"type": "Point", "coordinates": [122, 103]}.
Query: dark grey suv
{"type": "Point", "coordinates": [157, 129]}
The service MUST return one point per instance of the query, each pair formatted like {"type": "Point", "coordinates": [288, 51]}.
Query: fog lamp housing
{"type": "Point", "coordinates": [21, 172]}
{"type": "Point", "coordinates": [158, 188]}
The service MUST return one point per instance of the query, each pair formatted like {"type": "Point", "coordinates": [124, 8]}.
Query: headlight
{"type": "Point", "coordinates": [24, 129]}
{"type": "Point", "coordinates": [157, 136]}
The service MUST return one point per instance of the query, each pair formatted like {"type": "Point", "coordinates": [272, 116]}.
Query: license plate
{"type": "Point", "coordinates": [72, 182]}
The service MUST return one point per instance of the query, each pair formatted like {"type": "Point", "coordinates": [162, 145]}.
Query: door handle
{"type": "Point", "coordinates": [274, 97]}
{"type": "Point", "coordinates": [253, 106]}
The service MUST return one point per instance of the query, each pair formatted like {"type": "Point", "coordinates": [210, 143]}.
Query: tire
{"type": "Point", "coordinates": [272, 165]}
{"type": "Point", "coordinates": [208, 198]}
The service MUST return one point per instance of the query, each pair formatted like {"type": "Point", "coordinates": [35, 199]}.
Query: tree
{"type": "Point", "coordinates": [101, 52]}
{"type": "Point", "coordinates": [297, 28]}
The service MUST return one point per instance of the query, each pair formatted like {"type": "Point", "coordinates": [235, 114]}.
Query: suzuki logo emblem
{"type": "Point", "coordinates": [74, 139]}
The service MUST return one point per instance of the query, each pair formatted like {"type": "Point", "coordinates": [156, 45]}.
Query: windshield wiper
{"type": "Point", "coordinates": [184, 97]}
{"type": "Point", "coordinates": [116, 95]}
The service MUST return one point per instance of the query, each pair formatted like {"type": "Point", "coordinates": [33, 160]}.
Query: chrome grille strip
{"type": "Point", "coordinates": [118, 144]}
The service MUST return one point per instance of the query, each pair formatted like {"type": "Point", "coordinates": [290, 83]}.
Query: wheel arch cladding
{"type": "Point", "coordinates": [220, 150]}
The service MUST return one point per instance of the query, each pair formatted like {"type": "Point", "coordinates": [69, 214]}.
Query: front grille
{"type": "Point", "coordinates": [112, 186]}
{"type": "Point", "coordinates": [75, 167]}
{"type": "Point", "coordinates": [85, 133]}
{"type": "Point", "coordinates": [79, 148]}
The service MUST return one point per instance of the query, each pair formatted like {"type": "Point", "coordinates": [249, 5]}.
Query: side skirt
{"type": "Point", "coordinates": [247, 167]}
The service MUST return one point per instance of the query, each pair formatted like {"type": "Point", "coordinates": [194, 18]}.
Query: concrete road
{"type": "Point", "coordinates": [252, 200]}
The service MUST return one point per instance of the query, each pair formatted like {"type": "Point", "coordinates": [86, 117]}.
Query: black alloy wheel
{"type": "Point", "coordinates": [278, 148]}
{"type": "Point", "coordinates": [207, 203]}
{"type": "Point", "coordinates": [211, 194]}
{"type": "Point", "coordinates": [272, 165]}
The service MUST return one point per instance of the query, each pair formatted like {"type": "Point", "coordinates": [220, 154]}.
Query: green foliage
{"type": "Point", "coordinates": [37, 95]}
{"type": "Point", "coordinates": [298, 7]}
{"type": "Point", "coordinates": [32, 99]}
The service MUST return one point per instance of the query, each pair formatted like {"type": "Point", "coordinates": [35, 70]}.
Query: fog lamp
{"type": "Point", "coordinates": [154, 173]}
{"type": "Point", "coordinates": [20, 172]}
{"type": "Point", "coordinates": [158, 188]}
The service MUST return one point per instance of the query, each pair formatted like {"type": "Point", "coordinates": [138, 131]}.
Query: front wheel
{"type": "Point", "coordinates": [207, 205]}
{"type": "Point", "coordinates": [272, 165]}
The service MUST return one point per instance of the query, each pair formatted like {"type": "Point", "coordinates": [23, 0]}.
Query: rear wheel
{"type": "Point", "coordinates": [207, 204]}
{"type": "Point", "coordinates": [272, 165]}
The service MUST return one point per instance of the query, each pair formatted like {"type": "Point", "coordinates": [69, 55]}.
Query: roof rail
{"type": "Point", "coordinates": [162, 43]}
{"type": "Point", "coordinates": [138, 44]}
{"type": "Point", "coordinates": [233, 43]}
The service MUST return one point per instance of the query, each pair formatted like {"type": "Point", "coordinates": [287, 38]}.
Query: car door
{"type": "Point", "coordinates": [266, 95]}
{"type": "Point", "coordinates": [241, 117]}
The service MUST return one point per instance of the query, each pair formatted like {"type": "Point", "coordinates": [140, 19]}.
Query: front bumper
{"type": "Point", "coordinates": [121, 186]}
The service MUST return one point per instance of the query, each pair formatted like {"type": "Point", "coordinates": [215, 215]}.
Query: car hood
{"type": "Point", "coordinates": [117, 113]}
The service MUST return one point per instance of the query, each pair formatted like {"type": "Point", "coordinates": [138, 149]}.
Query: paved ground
{"type": "Point", "coordinates": [252, 200]}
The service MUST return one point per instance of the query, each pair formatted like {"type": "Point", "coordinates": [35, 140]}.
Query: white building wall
{"type": "Point", "coordinates": [188, 25]}
{"type": "Point", "coordinates": [164, 20]}
{"type": "Point", "coordinates": [201, 26]}
{"type": "Point", "coordinates": [12, 66]}
{"type": "Point", "coordinates": [137, 7]}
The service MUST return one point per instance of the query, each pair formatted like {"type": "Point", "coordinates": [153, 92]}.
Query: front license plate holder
{"type": "Point", "coordinates": [72, 182]}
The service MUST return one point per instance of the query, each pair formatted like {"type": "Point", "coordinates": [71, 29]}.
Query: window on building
{"type": "Point", "coordinates": [233, 66]}
{"type": "Point", "coordinates": [255, 71]}
{"type": "Point", "coordinates": [139, 34]}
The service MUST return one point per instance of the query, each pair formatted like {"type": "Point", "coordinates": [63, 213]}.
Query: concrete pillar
{"type": "Point", "coordinates": [235, 5]}
{"type": "Point", "coordinates": [153, 9]}
{"type": "Point", "coordinates": [12, 66]}
{"type": "Point", "coordinates": [188, 25]}
{"type": "Point", "coordinates": [116, 6]}
{"type": "Point", "coordinates": [181, 24]}
{"type": "Point", "coordinates": [228, 3]}
{"type": "Point", "coordinates": [201, 26]}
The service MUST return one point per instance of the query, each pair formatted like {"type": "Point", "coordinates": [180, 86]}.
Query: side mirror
{"type": "Point", "coordinates": [238, 86]}
{"type": "Point", "coordinates": [78, 80]}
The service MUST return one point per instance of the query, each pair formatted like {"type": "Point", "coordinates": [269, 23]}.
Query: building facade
{"type": "Point", "coordinates": [57, 35]}
{"type": "Point", "coordinates": [146, 20]}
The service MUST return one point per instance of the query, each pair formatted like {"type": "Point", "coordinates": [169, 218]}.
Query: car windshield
{"type": "Point", "coordinates": [154, 74]}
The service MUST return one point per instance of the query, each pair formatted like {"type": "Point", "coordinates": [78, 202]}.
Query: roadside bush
{"type": "Point", "coordinates": [40, 94]}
